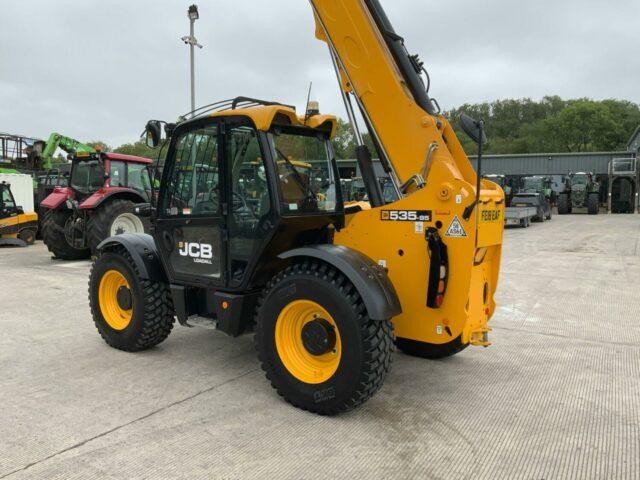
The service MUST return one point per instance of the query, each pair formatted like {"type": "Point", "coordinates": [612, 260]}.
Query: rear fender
{"type": "Point", "coordinates": [371, 280]}
{"type": "Point", "coordinates": [57, 197]}
{"type": "Point", "coordinates": [105, 193]}
{"type": "Point", "coordinates": [142, 249]}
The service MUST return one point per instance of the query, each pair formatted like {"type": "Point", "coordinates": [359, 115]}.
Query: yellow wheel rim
{"type": "Point", "coordinates": [300, 363]}
{"type": "Point", "coordinates": [116, 317]}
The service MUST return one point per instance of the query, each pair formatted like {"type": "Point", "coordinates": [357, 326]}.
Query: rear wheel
{"type": "Point", "coordinates": [131, 313]}
{"type": "Point", "coordinates": [563, 204]}
{"type": "Point", "coordinates": [316, 343]}
{"type": "Point", "coordinates": [62, 237]}
{"type": "Point", "coordinates": [430, 350]}
{"type": "Point", "coordinates": [113, 217]}
{"type": "Point", "coordinates": [593, 204]}
{"type": "Point", "coordinates": [27, 235]}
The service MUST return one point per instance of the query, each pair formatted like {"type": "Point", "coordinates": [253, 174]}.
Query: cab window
{"type": "Point", "coordinates": [117, 174]}
{"type": "Point", "coordinates": [193, 186]}
{"type": "Point", "coordinates": [138, 177]}
{"type": "Point", "coordinates": [7, 199]}
{"type": "Point", "coordinates": [305, 172]}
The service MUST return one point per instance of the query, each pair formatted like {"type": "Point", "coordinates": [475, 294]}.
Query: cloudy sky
{"type": "Point", "coordinates": [99, 69]}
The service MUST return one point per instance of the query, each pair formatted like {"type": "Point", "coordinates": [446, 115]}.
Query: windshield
{"type": "Point", "coordinates": [305, 171]}
{"type": "Point", "coordinates": [87, 176]}
{"type": "Point", "coordinates": [579, 180]}
{"type": "Point", "coordinates": [6, 201]}
{"type": "Point", "coordinates": [532, 183]}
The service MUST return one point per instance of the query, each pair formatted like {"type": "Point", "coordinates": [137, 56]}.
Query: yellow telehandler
{"type": "Point", "coordinates": [323, 285]}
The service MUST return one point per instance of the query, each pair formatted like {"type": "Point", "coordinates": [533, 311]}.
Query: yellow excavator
{"type": "Point", "coordinates": [326, 287]}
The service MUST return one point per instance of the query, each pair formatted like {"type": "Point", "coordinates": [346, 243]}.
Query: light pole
{"type": "Point", "coordinates": [192, 41]}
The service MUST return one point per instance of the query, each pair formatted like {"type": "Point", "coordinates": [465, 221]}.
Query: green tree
{"type": "Point", "coordinates": [584, 126]}
{"type": "Point", "coordinates": [139, 149]}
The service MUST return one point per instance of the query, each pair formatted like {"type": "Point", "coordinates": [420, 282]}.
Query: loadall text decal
{"type": "Point", "coordinates": [199, 252]}
{"type": "Point", "coordinates": [405, 215]}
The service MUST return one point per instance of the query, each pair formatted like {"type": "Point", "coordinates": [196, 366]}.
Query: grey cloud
{"type": "Point", "coordinates": [99, 70]}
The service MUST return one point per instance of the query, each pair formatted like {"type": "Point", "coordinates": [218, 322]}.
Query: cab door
{"type": "Point", "coordinates": [190, 227]}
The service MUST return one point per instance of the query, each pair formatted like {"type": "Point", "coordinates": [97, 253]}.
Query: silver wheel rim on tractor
{"type": "Point", "coordinates": [126, 223]}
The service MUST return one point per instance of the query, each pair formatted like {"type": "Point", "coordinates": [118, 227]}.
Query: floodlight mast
{"type": "Point", "coordinates": [192, 41]}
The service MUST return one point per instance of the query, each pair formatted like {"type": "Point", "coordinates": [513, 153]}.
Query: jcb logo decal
{"type": "Point", "coordinates": [200, 252]}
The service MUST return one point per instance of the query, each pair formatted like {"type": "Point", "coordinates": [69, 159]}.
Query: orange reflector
{"type": "Point", "coordinates": [486, 310]}
{"type": "Point", "coordinates": [225, 305]}
{"type": "Point", "coordinates": [441, 286]}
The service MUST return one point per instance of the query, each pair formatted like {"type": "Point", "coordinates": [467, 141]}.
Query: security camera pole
{"type": "Point", "coordinates": [192, 41]}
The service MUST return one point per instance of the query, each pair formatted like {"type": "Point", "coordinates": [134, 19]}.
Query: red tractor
{"type": "Point", "coordinates": [98, 202]}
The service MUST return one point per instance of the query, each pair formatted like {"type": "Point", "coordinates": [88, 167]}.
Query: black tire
{"type": "Point", "coordinates": [152, 309]}
{"type": "Point", "coordinates": [367, 345]}
{"type": "Point", "coordinates": [101, 219]}
{"type": "Point", "coordinates": [27, 235]}
{"type": "Point", "coordinates": [593, 204]}
{"type": "Point", "coordinates": [429, 350]}
{"type": "Point", "coordinates": [563, 204]}
{"type": "Point", "coordinates": [53, 225]}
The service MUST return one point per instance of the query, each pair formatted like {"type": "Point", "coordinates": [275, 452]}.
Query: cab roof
{"type": "Point", "coordinates": [127, 158]}
{"type": "Point", "coordinates": [265, 116]}
{"type": "Point", "coordinates": [114, 156]}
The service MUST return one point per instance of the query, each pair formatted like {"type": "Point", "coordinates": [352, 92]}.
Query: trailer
{"type": "Point", "coordinates": [519, 216]}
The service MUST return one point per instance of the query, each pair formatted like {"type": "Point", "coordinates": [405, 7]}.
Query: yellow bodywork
{"type": "Point", "coordinates": [16, 223]}
{"type": "Point", "coordinates": [406, 133]}
{"type": "Point", "coordinates": [263, 117]}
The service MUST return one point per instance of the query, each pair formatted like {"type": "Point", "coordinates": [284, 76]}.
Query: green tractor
{"type": "Point", "coordinates": [582, 191]}
{"type": "Point", "coordinates": [535, 192]}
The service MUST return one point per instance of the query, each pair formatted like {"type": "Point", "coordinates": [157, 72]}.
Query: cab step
{"type": "Point", "coordinates": [202, 322]}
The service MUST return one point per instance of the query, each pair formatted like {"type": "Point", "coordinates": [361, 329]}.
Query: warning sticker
{"type": "Point", "coordinates": [456, 229]}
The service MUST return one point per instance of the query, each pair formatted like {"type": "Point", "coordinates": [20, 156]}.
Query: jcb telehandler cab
{"type": "Point", "coordinates": [323, 286]}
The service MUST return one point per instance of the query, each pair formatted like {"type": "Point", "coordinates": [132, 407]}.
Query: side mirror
{"type": "Point", "coordinates": [473, 128]}
{"type": "Point", "coordinates": [20, 210]}
{"type": "Point", "coordinates": [152, 134]}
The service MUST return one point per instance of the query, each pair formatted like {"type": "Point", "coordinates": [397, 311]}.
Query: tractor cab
{"type": "Point", "coordinates": [87, 174]}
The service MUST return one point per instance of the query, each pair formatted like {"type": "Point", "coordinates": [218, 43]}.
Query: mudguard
{"type": "Point", "coordinates": [142, 249]}
{"type": "Point", "coordinates": [57, 197]}
{"type": "Point", "coordinates": [371, 280]}
{"type": "Point", "coordinates": [98, 198]}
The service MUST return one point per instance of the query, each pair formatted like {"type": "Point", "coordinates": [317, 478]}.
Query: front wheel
{"type": "Point", "coordinates": [131, 313]}
{"type": "Point", "coordinates": [593, 204]}
{"type": "Point", "coordinates": [563, 204]}
{"type": "Point", "coordinates": [316, 343]}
